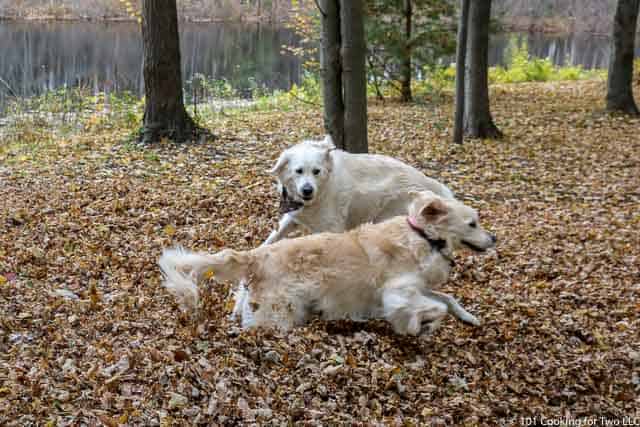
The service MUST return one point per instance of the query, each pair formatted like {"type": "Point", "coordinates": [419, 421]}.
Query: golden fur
{"type": "Point", "coordinates": [384, 270]}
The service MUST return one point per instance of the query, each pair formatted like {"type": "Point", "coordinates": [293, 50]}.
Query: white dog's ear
{"type": "Point", "coordinates": [434, 211]}
{"type": "Point", "coordinates": [328, 141]}
{"type": "Point", "coordinates": [280, 164]}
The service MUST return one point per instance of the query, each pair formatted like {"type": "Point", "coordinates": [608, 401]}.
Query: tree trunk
{"type": "Point", "coordinates": [478, 120]}
{"type": "Point", "coordinates": [461, 56]}
{"type": "Point", "coordinates": [332, 71]}
{"type": "Point", "coordinates": [405, 66]}
{"type": "Point", "coordinates": [354, 76]}
{"type": "Point", "coordinates": [619, 83]}
{"type": "Point", "coordinates": [164, 112]}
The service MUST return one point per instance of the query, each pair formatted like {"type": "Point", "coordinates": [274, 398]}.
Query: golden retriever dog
{"type": "Point", "coordinates": [385, 270]}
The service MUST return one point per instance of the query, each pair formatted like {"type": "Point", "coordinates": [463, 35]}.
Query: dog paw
{"type": "Point", "coordinates": [429, 327]}
{"type": "Point", "coordinates": [472, 320]}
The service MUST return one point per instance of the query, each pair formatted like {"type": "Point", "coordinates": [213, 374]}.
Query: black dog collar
{"type": "Point", "coordinates": [436, 244]}
{"type": "Point", "coordinates": [287, 204]}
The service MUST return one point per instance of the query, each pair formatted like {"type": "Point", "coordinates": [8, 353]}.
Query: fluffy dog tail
{"type": "Point", "coordinates": [183, 269]}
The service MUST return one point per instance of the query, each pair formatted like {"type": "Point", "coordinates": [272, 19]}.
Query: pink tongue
{"type": "Point", "coordinates": [412, 221]}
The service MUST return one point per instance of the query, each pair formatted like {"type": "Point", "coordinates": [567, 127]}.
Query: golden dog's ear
{"type": "Point", "coordinates": [434, 211]}
{"type": "Point", "coordinates": [280, 164]}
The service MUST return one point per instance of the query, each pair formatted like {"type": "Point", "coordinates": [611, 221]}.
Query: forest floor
{"type": "Point", "coordinates": [88, 334]}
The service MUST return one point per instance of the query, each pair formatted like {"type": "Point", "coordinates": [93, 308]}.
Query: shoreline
{"type": "Point", "coordinates": [508, 28]}
{"type": "Point", "coordinates": [556, 26]}
{"type": "Point", "coordinates": [518, 25]}
{"type": "Point", "coordinates": [521, 24]}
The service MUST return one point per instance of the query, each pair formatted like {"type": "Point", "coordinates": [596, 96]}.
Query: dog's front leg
{"type": "Point", "coordinates": [453, 307]}
{"type": "Point", "coordinates": [286, 225]}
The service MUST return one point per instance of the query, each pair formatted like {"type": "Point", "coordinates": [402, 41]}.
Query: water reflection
{"type": "Point", "coordinates": [36, 57]}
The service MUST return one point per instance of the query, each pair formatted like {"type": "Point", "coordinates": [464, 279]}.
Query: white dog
{"type": "Point", "coordinates": [325, 189]}
{"type": "Point", "coordinates": [383, 270]}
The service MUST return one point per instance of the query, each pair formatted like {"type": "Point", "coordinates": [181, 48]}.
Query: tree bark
{"type": "Point", "coordinates": [332, 71]}
{"type": "Point", "coordinates": [478, 120]}
{"type": "Point", "coordinates": [405, 66]}
{"type": "Point", "coordinates": [354, 77]}
{"type": "Point", "coordinates": [461, 56]}
{"type": "Point", "coordinates": [164, 111]}
{"type": "Point", "coordinates": [619, 82]}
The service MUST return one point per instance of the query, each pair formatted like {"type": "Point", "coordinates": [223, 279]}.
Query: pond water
{"type": "Point", "coordinates": [36, 57]}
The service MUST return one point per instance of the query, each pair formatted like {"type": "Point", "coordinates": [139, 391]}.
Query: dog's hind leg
{"type": "Point", "coordinates": [407, 309]}
{"type": "Point", "coordinates": [286, 225]}
{"type": "Point", "coordinates": [453, 307]}
{"type": "Point", "coordinates": [240, 294]}
{"type": "Point", "coordinates": [274, 308]}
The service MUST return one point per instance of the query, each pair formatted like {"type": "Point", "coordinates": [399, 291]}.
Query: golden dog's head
{"type": "Point", "coordinates": [449, 220]}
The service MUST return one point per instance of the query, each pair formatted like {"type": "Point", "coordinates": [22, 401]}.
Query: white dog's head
{"type": "Point", "coordinates": [303, 169]}
{"type": "Point", "coordinates": [450, 220]}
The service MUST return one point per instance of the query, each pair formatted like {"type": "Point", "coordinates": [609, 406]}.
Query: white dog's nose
{"type": "Point", "coordinates": [307, 190]}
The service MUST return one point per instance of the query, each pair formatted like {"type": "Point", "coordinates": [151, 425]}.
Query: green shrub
{"type": "Point", "coordinates": [522, 68]}
{"type": "Point", "coordinates": [309, 91]}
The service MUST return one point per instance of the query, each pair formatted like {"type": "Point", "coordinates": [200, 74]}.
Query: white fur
{"type": "Point", "coordinates": [176, 282]}
{"type": "Point", "coordinates": [383, 270]}
{"type": "Point", "coordinates": [348, 189]}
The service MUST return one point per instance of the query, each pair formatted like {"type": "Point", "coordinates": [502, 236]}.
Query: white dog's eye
{"type": "Point", "coordinates": [316, 171]}
{"type": "Point", "coordinates": [473, 224]}
{"type": "Point", "coordinates": [299, 171]}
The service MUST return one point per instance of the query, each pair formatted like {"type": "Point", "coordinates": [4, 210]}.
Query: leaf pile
{"type": "Point", "coordinates": [88, 335]}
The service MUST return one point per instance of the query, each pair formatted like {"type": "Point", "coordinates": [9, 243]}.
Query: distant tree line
{"type": "Point", "coordinates": [579, 15]}
{"type": "Point", "coordinates": [191, 10]}
{"type": "Point", "coordinates": [556, 15]}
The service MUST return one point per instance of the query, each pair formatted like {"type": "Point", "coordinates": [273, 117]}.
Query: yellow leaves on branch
{"type": "Point", "coordinates": [131, 10]}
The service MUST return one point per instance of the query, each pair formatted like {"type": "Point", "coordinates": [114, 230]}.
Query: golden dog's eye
{"type": "Point", "coordinates": [299, 171]}
{"type": "Point", "coordinates": [316, 171]}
